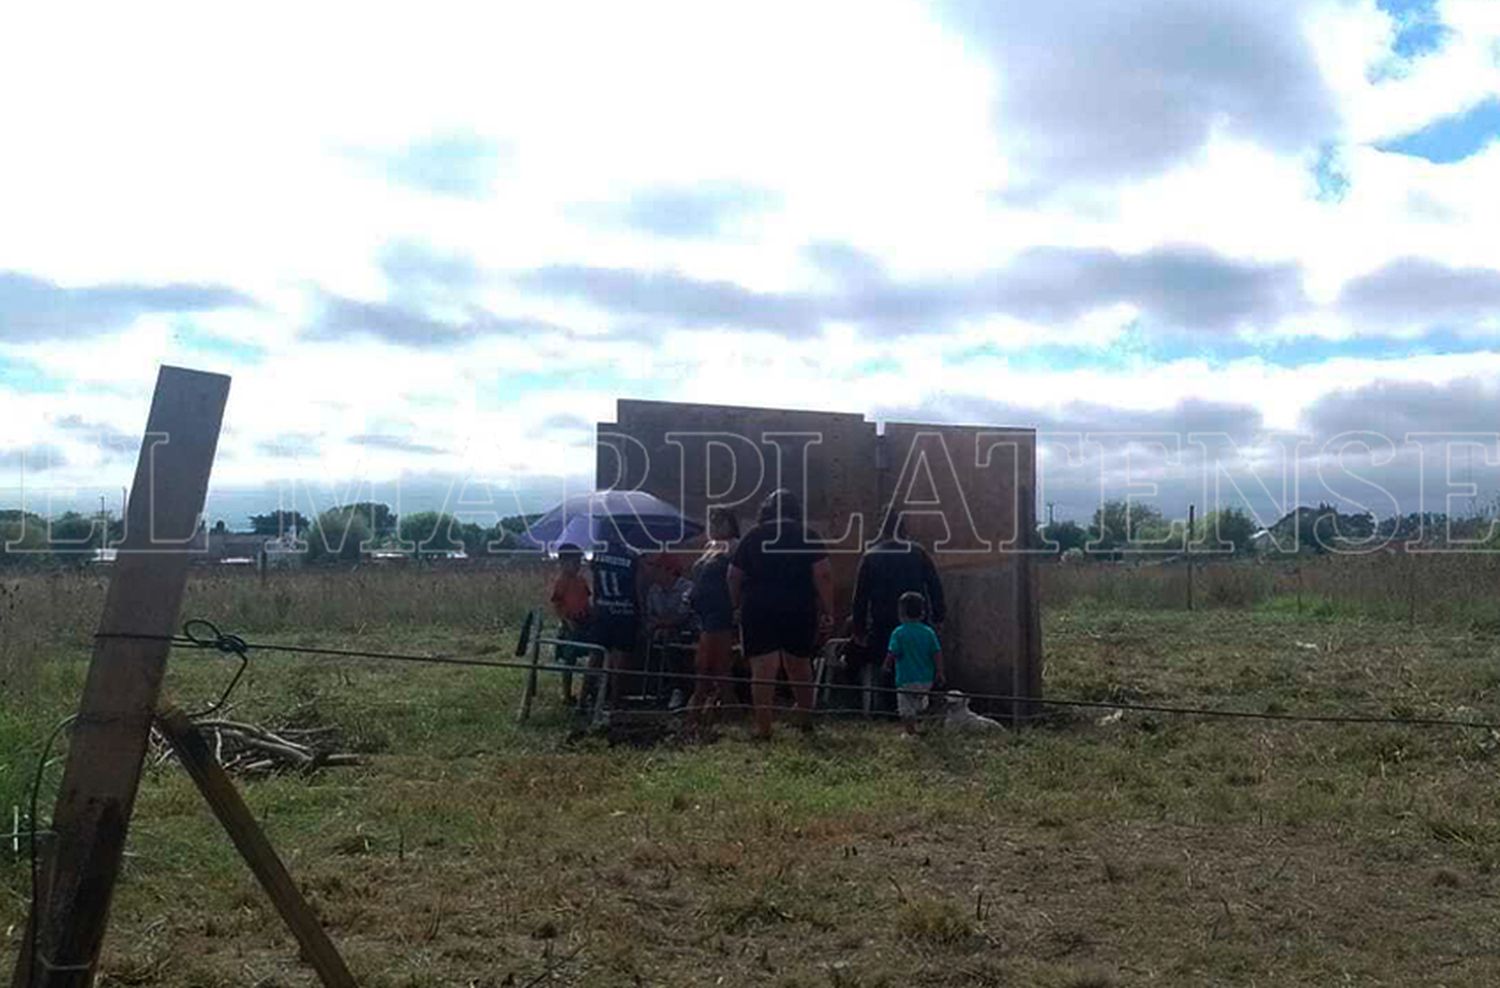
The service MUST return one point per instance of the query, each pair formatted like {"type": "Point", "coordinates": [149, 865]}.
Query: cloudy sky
{"type": "Point", "coordinates": [440, 245]}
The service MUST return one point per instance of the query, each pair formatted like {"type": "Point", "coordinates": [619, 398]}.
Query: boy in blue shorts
{"type": "Point", "coordinates": [917, 658]}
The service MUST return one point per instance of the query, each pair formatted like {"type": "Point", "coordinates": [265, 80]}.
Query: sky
{"type": "Point", "coordinates": [434, 246]}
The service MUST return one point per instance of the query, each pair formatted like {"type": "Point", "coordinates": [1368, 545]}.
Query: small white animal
{"type": "Point", "coordinates": [958, 717]}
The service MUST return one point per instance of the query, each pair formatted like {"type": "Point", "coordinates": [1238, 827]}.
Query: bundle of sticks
{"type": "Point", "coordinates": [248, 749]}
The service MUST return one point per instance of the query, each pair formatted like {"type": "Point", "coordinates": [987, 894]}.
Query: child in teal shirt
{"type": "Point", "coordinates": [917, 657]}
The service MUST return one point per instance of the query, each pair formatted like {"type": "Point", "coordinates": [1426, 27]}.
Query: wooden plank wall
{"type": "Point", "coordinates": [967, 472]}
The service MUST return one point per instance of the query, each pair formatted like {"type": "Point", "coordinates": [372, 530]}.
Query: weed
{"type": "Point", "coordinates": [934, 922]}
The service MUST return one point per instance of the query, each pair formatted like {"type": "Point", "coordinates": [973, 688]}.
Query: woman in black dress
{"type": "Point", "coordinates": [782, 583]}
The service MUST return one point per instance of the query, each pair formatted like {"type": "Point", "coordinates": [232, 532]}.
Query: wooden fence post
{"type": "Point", "coordinates": [1188, 548]}
{"type": "Point", "coordinates": [115, 714]}
{"type": "Point", "coordinates": [528, 692]}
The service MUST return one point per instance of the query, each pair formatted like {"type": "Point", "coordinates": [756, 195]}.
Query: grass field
{"type": "Point", "coordinates": [1152, 850]}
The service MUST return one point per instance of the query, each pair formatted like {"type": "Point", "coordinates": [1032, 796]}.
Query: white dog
{"type": "Point", "coordinates": [958, 717]}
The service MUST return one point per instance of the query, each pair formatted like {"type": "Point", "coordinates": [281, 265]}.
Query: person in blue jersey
{"type": "Point", "coordinates": [616, 606]}
{"type": "Point", "coordinates": [915, 656]}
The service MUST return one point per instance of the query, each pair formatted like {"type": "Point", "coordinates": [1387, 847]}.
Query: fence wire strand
{"type": "Point", "coordinates": [234, 644]}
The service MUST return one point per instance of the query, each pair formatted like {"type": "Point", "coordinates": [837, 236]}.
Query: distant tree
{"type": "Point", "coordinates": [23, 537]}
{"type": "Point", "coordinates": [220, 528]}
{"type": "Point", "coordinates": [475, 537]}
{"type": "Point", "coordinates": [518, 524]}
{"type": "Point", "coordinates": [1118, 524]}
{"type": "Point", "coordinates": [1325, 529]}
{"type": "Point", "coordinates": [1065, 535]}
{"type": "Point", "coordinates": [1228, 525]}
{"type": "Point", "coordinates": [379, 517]}
{"type": "Point", "coordinates": [338, 535]}
{"type": "Point", "coordinates": [504, 538]}
{"type": "Point", "coordinates": [431, 531]}
{"type": "Point", "coordinates": [73, 537]}
{"type": "Point", "coordinates": [279, 523]}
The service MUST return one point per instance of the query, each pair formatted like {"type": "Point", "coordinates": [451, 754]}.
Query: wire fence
{"type": "Point", "coordinates": [209, 637]}
{"type": "Point", "coordinates": [203, 635]}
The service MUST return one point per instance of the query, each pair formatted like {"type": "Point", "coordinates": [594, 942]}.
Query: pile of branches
{"type": "Point", "coordinates": [247, 749]}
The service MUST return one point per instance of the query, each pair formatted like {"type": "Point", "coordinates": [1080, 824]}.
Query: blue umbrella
{"type": "Point", "coordinates": [640, 520]}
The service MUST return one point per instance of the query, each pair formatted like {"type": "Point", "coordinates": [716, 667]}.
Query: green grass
{"type": "Point", "coordinates": [1152, 850]}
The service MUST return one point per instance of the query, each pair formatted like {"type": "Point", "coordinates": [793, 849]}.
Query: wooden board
{"type": "Point", "coordinates": [109, 738]}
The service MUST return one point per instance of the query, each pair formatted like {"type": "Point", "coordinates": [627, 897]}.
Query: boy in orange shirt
{"type": "Point", "coordinates": [570, 605]}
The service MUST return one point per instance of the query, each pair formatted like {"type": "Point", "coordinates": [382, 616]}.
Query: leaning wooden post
{"type": "Point", "coordinates": [119, 697]}
{"type": "Point", "coordinates": [253, 846]}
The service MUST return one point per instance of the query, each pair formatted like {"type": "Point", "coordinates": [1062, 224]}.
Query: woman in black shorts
{"type": "Point", "coordinates": [781, 580]}
{"type": "Point", "coordinates": [715, 613]}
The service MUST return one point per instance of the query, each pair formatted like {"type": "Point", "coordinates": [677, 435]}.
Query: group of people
{"type": "Point", "coordinates": [771, 589]}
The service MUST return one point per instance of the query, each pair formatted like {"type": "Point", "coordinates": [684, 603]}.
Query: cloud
{"type": "Point", "coordinates": [35, 309]}
{"type": "Point", "coordinates": [1192, 415]}
{"type": "Point", "coordinates": [1417, 292]}
{"type": "Point", "coordinates": [1099, 91]}
{"type": "Point", "coordinates": [414, 267]}
{"type": "Point", "coordinates": [674, 300]}
{"type": "Point", "coordinates": [845, 264]}
{"type": "Point", "coordinates": [78, 425]}
{"type": "Point", "coordinates": [1263, 470]}
{"type": "Point", "coordinates": [566, 422]}
{"type": "Point", "coordinates": [1177, 288]}
{"type": "Point", "coordinates": [110, 441]}
{"type": "Point", "coordinates": [1395, 408]}
{"type": "Point", "coordinates": [397, 444]}
{"type": "Point", "coordinates": [691, 212]}
{"type": "Point", "coordinates": [1181, 288]}
{"type": "Point", "coordinates": [463, 165]}
{"type": "Point", "coordinates": [33, 458]}
{"type": "Point", "coordinates": [289, 446]}
{"type": "Point", "coordinates": [405, 325]}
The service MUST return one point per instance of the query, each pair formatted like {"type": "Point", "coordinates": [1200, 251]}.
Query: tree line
{"type": "Point", "coordinates": [340, 533]}
{"type": "Point", "coordinates": [1119, 529]}
{"type": "Point", "coordinates": [344, 532]}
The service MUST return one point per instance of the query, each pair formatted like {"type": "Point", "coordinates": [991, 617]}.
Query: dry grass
{"type": "Point", "coordinates": [1150, 851]}
{"type": "Point", "coordinates": [1461, 588]}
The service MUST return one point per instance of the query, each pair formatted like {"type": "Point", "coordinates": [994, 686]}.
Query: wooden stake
{"type": "Point", "coordinates": [1188, 548]}
{"type": "Point", "coordinates": [253, 846]}
{"type": "Point", "coordinates": [119, 697]}
{"type": "Point", "coordinates": [528, 693]}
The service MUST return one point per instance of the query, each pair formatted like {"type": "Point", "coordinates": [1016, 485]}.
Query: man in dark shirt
{"type": "Point", "coordinates": [782, 583]}
{"type": "Point", "coordinates": [891, 567]}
